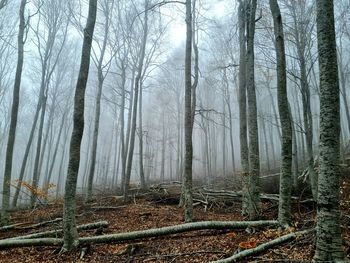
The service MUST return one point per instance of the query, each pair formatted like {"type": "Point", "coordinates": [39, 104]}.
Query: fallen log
{"type": "Point", "coordinates": [28, 225]}
{"type": "Point", "coordinates": [120, 237]}
{"type": "Point", "coordinates": [50, 233]}
{"type": "Point", "coordinates": [226, 194]}
{"type": "Point", "coordinates": [263, 247]}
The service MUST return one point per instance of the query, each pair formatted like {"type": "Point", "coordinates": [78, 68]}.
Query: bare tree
{"type": "Point", "coordinates": [69, 222]}
{"type": "Point", "coordinates": [254, 165]}
{"type": "Point", "coordinates": [284, 211]}
{"type": "Point", "coordinates": [138, 82]}
{"type": "Point", "coordinates": [14, 115]}
{"type": "Point", "coordinates": [329, 241]}
{"type": "Point", "coordinates": [101, 65]}
{"type": "Point", "coordinates": [187, 179]}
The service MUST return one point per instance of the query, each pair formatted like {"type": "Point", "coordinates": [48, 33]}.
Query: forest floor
{"type": "Point", "coordinates": [196, 246]}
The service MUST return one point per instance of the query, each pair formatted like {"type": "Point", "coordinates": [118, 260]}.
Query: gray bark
{"type": "Point", "coordinates": [138, 82]}
{"type": "Point", "coordinates": [101, 77]}
{"type": "Point", "coordinates": [187, 178]}
{"type": "Point", "coordinates": [14, 115]}
{"type": "Point", "coordinates": [328, 238]}
{"type": "Point", "coordinates": [284, 209]}
{"type": "Point", "coordinates": [243, 106]}
{"type": "Point", "coordinates": [142, 171]}
{"type": "Point", "coordinates": [253, 133]}
{"type": "Point", "coordinates": [157, 232]}
{"type": "Point", "coordinates": [42, 102]}
{"type": "Point", "coordinates": [69, 222]}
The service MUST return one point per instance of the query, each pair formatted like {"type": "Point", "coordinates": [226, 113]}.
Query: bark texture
{"type": "Point", "coordinates": [69, 222]}
{"type": "Point", "coordinates": [243, 106]}
{"type": "Point", "coordinates": [328, 238]}
{"type": "Point", "coordinates": [187, 179]}
{"type": "Point", "coordinates": [284, 209]}
{"type": "Point", "coordinates": [156, 232]}
{"type": "Point", "coordinates": [253, 133]}
{"type": "Point", "coordinates": [14, 115]}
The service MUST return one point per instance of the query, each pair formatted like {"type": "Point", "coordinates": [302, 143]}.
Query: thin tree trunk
{"type": "Point", "coordinates": [162, 167]}
{"type": "Point", "coordinates": [25, 157]}
{"type": "Point", "coordinates": [49, 174]}
{"type": "Point", "coordinates": [138, 82]}
{"type": "Point", "coordinates": [243, 107]}
{"type": "Point", "coordinates": [122, 128]}
{"type": "Point", "coordinates": [142, 172]}
{"type": "Point", "coordinates": [253, 133]}
{"type": "Point", "coordinates": [187, 179]}
{"type": "Point", "coordinates": [101, 78]}
{"type": "Point", "coordinates": [69, 222]}
{"type": "Point", "coordinates": [284, 209]}
{"type": "Point", "coordinates": [38, 150]}
{"type": "Point", "coordinates": [14, 115]}
{"type": "Point", "coordinates": [262, 122]}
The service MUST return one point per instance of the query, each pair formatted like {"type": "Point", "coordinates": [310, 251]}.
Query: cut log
{"type": "Point", "coordinates": [53, 233]}
{"type": "Point", "coordinates": [120, 237]}
{"type": "Point", "coordinates": [265, 246]}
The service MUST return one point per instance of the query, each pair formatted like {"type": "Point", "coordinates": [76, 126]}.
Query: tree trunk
{"type": "Point", "coordinates": [187, 179]}
{"type": "Point", "coordinates": [42, 102]}
{"type": "Point", "coordinates": [49, 174]}
{"type": "Point", "coordinates": [243, 106]}
{"type": "Point", "coordinates": [142, 172]}
{"type": "Point", "coordinates": [229, 108]}
{"type": "Point", "coordinates": [266, 146]}
{"type": "Point", "coordinates": [284, 209]}
{"type": "Point", "coordinates": [253, 133]}
{"type": "Point", "coordinates": [122, 124]}
{"type": "Point", "coordinates": [69, 222]}
{"type": "Point", "coordinates": [328, 238]}
{"type": "Point", "coordinates": [138, 82]}
{"type": "Point", "coordinates": [101, 78]}
{"type": "Point", "coordinates": [162, 165]}
{"type": "Point", "coordinates": [25, 157]}
{"type": "Point", "coordinates": [14, 115]}
{"type": "Point", "coordinates": [141, 234]}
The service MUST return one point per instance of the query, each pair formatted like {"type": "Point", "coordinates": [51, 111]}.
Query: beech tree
{"type": "Point", "coordinates": [253, 205]}
{"type": "Point", "coordinates": [243, 106]}
{"type": "Point", "coordinates": [284, 211]}
{"type": "Point", "coordinates": [107, 7]}
{"type": "Point", "coordinates": [69, 222]}
{"type": "Point", "coordinates": [14, 115]}
{"type": "Point", "coordinates": [187, 179]}
{"type": "Point", "coordinates": [328, 237]}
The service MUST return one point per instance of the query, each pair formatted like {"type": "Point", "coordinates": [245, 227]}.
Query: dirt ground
{"type": "Point", "coordinates": [196, 246]}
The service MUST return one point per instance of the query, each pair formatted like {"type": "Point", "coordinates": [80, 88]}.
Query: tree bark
{"type": "Point", "coordinates": [253, 133]}
{"type": "Point", "coordinates": [142, 170]}
{"type": "Point", "coordinates": [187, 179]}
{"type": "Point", "coordinates": [243, 106]}
{"type": "Point", "coordinates": [328, 238]}
{"type": "Point", "coordinates": [53, 233]}
{"type": "Point", "coordinates": [69, 223]}
{"type": "Point", "coordinates": [101, 77]}
{"type": "Point", "coordinates": [14, 115]}
{"type": "Point", "coordinates": [138, 82]}
{"type": "Point", "coordinates": [284, 209]}
{"type": "Point", "coordinates": [157, 232]}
